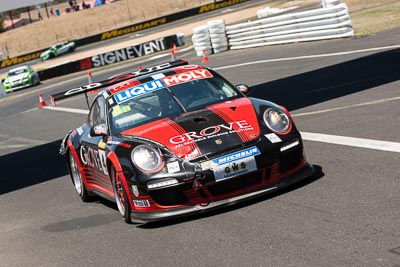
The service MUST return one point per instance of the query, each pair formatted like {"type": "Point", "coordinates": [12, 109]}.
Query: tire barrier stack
{"type": "Point", "coordinates": [312, 25]}
{"type": "Point", "coordinates": [219, 41]}
{"type": "Point", "coordinates": [210, 38]}
{"type": "Point", "coordinates": [201, 40]}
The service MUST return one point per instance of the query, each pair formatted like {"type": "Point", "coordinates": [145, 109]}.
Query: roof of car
{"type": "Point", "coordinates": [153, 76]}
{"type": "Point", "coordinates": [19, 68]}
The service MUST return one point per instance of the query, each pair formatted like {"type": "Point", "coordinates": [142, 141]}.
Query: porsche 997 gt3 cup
{"type": "Point", "coordinates": [179, 139]}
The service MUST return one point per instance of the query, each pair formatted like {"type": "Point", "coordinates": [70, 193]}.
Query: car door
{"type": "Point", "coordinates": [59, 49]}
{"type": "Point", "coordinates": [93, 149]}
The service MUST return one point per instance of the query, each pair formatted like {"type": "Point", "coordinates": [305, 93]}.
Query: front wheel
{"type": "Point", "coordinates": [120, 196]}
{"type": "Point", "coordinates": [77, 179]}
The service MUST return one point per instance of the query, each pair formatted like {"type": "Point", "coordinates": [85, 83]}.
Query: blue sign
{"type": "Point", "coordinates": [249, 152]}
{"type": "Point", "coordinates": [138, 90]}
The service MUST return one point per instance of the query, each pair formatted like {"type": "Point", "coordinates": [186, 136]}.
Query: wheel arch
{"type": "Point", "coordinates": [112, 161]}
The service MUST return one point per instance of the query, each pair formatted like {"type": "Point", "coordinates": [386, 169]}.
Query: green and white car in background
{"type": "Point", "coordinates": [20, 77]}
{"type": "Point", "coordinates": [58, 50]}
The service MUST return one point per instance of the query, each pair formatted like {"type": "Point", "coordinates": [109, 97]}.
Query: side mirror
{"type": "Point", "coordinates": [243, 88]}
{"type": "Point", "coordinates": [99, 130]}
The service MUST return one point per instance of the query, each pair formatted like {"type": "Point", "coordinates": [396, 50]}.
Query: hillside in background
{"type": "Point", "coordinates": [368, 16]}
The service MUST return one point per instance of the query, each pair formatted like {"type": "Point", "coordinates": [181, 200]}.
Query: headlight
{"type": "Point", "coordinates": [277, 120]}
{"type": "Point", "coordinates": [147, 158]}
{"type": "Point", "coordinates": [6, 82]}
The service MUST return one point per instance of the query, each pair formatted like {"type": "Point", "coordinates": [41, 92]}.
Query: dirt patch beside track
{"type": "Point", "coordinates": [367, 17]}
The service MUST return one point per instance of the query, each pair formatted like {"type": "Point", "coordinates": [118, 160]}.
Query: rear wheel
{"type": "Point", "coordinates": [77, 179]}
{"type": "Point", "coordinates": [121, 197]}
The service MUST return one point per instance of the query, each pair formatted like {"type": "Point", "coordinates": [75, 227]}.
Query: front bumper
{"type": "Point", "coordinates": [10, 88]}
{"type": "Point", "coordinates": [144, 217]}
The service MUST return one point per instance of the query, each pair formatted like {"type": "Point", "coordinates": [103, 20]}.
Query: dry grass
{"type": "Point", "coordinates": [375, 17]}
{"type": "Point", "coordinates": [45, 33]}
{"type": "Point", "coordinates": [368, 16]}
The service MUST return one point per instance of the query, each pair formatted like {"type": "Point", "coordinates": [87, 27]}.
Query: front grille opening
{"type": "Point", "coordinates": [169, 196]}
{"type": "Point", "coordinates": [232, 185]}
{"type": "Point", "coordinates": [290, 159]}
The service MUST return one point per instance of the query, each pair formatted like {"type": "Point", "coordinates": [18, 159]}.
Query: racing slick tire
{"type": "Point", "coordinates": [77, 180]}
{"type": "Point", "coordinates": [35, 80]}
{"type": "Point", "coordinates": [120, 196]}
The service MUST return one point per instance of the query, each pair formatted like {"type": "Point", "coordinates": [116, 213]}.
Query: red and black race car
{"type": "Point", "coordinates": [178, 139]}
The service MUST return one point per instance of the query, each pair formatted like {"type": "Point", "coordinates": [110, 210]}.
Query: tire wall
{"type": "Point", "coordinates": [312, 25]}
{"type": "Point", "coordinates": [210, 38]}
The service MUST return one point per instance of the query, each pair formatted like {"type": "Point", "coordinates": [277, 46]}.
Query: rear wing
{"type": "Point", "coordinates": [111, 81]}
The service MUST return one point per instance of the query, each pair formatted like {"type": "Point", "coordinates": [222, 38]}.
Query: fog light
{"type": "Point", "coordinates": [157, 184]}
{"type": "Point", "coordinates": [290, 145]}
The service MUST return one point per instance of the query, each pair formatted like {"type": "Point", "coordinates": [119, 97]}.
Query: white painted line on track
{"type": "Point", "coordinates": [71, 110]}
{"type": "Point", "coordinates": [379, 101]}
{"type": "Point", "coordinates": [352, 141]}
{"type": "Point", "coordinates": [310, 56]}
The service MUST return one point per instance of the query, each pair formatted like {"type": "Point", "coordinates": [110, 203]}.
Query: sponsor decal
{"type": "Point", "coordinates": [17, 60]}
{"type": "Point", "coordinates": [133, 28]}
{"type": "Point", "coordinates": [222, 4]}
{"type": "Point", "coordinates": [118, 110]}
{"type": "Point", "coordinates": [141, 203]}
{"type": "Point", "coordinates": [173, 167]}
{"type": "Point", "coordinates": [138, 90]}
{"type": "Point", "coordinates": [101, 145]}
{"type": "Point", "coordinates": [210, 132]}
{"type": "Point", "coordinates": [234, 164]}
{"type": "Point", "coordinates": [218, 141]}
{"type": "Point", "coordinates": [158, 76]}
{"type": "Point", "coordinates": [249, 152]}
{"type": "Point", "coordinates": [94, 158]}
{"type": "Point", "coordinates": [125, 145]}
{"type": "Point", "coordinates": [118, 143]}
{"type": "Point", "coordinates": [105, 95]}
{"type": "Point", "coordinates": [129, 53]}
{"type": "Point", "coordinates": [133, 82]}
{"type": "Point", "coordinates": [122, 85]}
{"type": "Point", "coordinates": [135, 190]}
{"type": "Point", "coordinates": [186, 77]}
{"type": "Point", "coordinates": [190, 67]}
{"type": "Point", "coordinates": [112, 142]}
{"type": "Point", "coordinates": [273, 138]}
{"type": "Point", "coordinates": [205, 165]}
{"type": "Point", "coordinates": [80, 130]}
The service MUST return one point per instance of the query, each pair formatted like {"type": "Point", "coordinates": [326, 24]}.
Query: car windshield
{"type": "Point", "coordinates": [169, 102]}
{"type": "Point", "coordinates": [17, 72]}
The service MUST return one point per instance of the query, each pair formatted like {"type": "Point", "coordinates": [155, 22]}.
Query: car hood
{"type": "Point", "coordinates": [209, 131]}
{"type": "Point", "coordinates": [18, 77]}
